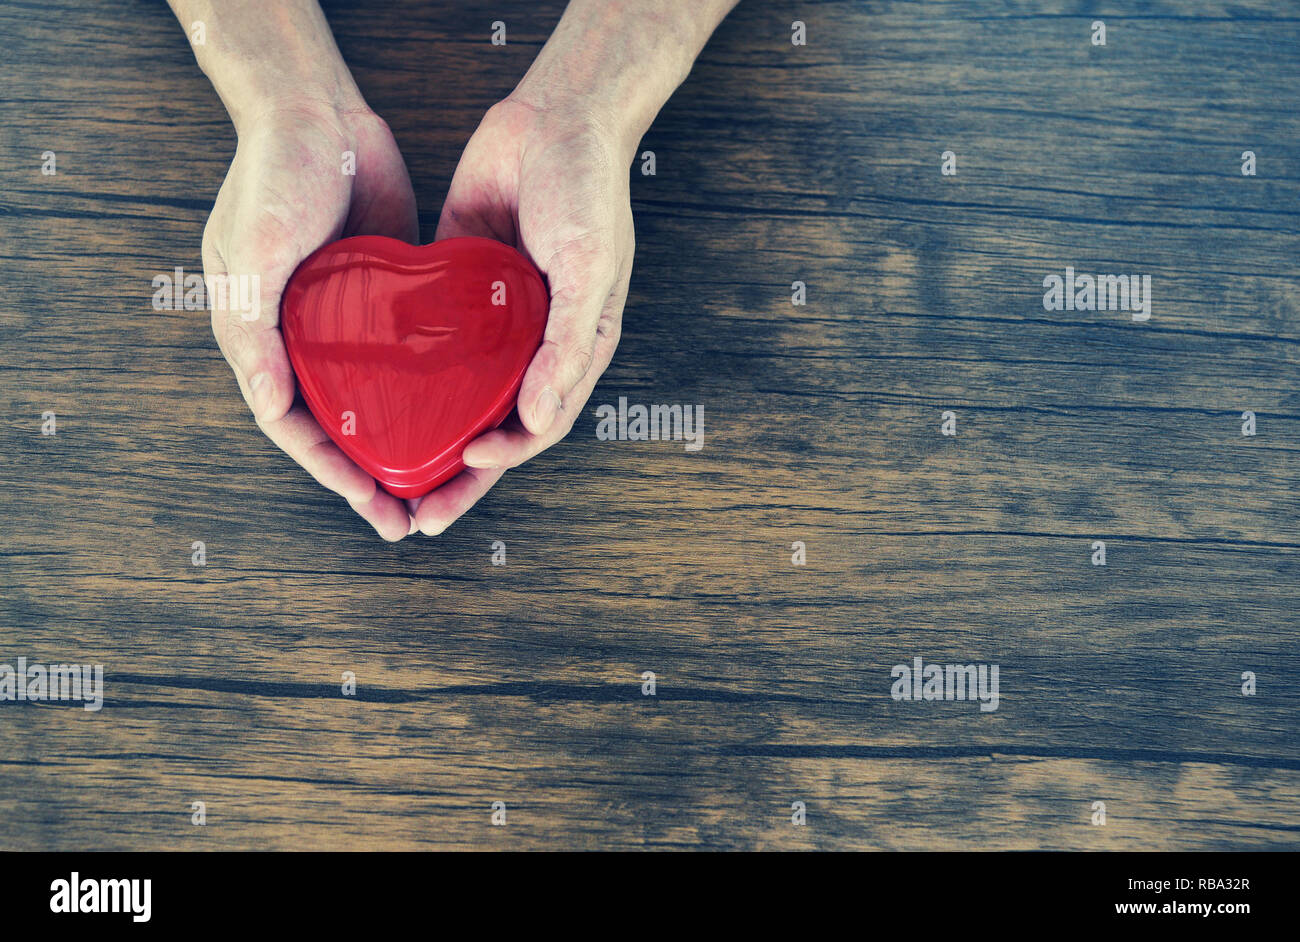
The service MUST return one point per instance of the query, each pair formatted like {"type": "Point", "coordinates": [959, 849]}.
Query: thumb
{"type": "Point", "coordinates": [579, 293]}
{"type": "Point", "coordinates": [245, 307]}
{"type": "Point", "coordinates": [385, 207]}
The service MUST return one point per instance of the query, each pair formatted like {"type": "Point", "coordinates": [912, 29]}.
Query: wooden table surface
{"type": "Point", "coordinates": [522, 683]}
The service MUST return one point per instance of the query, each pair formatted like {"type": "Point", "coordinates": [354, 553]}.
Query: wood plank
{"type": "Point", "coordinates": [522, 683]}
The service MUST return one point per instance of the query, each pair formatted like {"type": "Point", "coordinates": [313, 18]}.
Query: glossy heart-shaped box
{"type": "Point", "coordinates": [407, 353]}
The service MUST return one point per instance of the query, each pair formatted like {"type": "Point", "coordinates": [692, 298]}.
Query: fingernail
{"type": "Point", "coordinates": [433, 530]}
{"type": "Point", "coordinates": [260, 388]}
{"type": "Point", "coordinates": [548, 404]}
{"type": "Point", "coordinates": [471, 460]}
{"type": "Point", "coordinates": [413, 527]}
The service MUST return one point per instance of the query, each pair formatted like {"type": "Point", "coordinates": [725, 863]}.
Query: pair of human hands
{"type": "Point", "coordinates": [548, 181]}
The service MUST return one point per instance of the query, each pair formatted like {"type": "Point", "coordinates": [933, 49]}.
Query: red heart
{"type": "Point", "coordinates": [425, 346]}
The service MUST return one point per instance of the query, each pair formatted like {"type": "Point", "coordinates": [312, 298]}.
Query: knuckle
{"type": "Point", "coordinates": [579, 358]}
{"type": "Point", "coordinates": [609, 330]}
{"type": "Point", "coordinates": [234, 338]}
{"type": "Point", "coordinates": [584, 258]}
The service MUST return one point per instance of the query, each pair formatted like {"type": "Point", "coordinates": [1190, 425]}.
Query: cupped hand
{"type": "Point", "coordinates": [553, 184]}
{"type": "Point", "coordinates": [285, 195]}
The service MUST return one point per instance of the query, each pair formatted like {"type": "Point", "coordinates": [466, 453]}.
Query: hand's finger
{"type": "Point", "coordinates": [303, 440]}
{"type": "Point", "coordinates": [583, 280]}
{"type": "Point", "coordinates": [245, 303]}
{"type": "Point", "coordinates": [387, 219]}
{"type": "Point", "coordinates": [384, 205]}
{"type": "Point", "coordinates": [512, 444]}
{"type": "Point", "coordinates": [507, 446]}
{"type": "Point", "coordinates": [387, 515]}
{"type": "Point", "coordinates": [441, 507]}
{"type": "Point", "coordinates": [299, 435]}
{"type": "Point", "coordinates": [463, 217]}
{"type": "Point", "coordinates": [476, 204]}
{"type": "Point", "coordinates": [257, 356]}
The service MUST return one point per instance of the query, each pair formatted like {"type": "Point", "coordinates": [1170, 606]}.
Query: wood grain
{"type": "Point", "coordinates": [522, 683]}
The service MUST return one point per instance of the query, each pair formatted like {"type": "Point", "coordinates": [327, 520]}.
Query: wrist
{"type": "Point", "coordinates": [264, 58]}
{"type": "Point", "coordinates": [614, 63]}
{"type": "Point", "coordinates": [249, 99]}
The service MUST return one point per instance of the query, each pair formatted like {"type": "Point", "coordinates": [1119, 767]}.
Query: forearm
{"type": "Point", "coordinates": [620, 60]}
{"type": "Point", "coordinates": [260, 55]}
